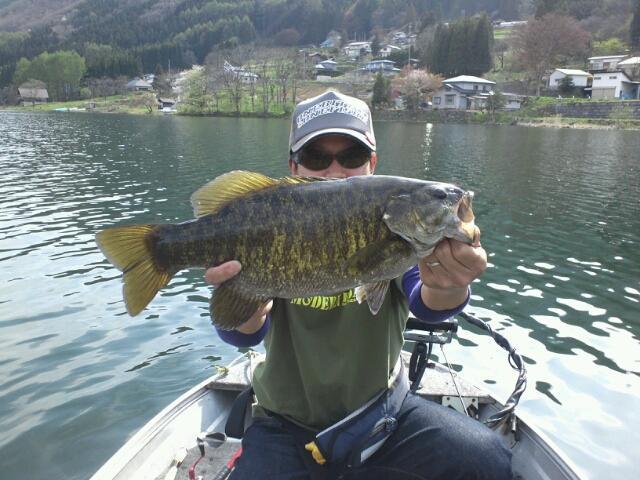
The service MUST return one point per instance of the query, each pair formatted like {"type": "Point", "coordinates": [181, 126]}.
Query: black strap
{"type": "Point", "coordinates": [235, 421]}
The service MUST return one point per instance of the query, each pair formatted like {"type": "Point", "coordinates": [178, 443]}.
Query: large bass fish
{"type": "Point", "coordinates": [294, 236]}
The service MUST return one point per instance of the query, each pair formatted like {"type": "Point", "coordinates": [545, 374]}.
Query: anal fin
{"type": "Point", "coordinates": [230, 307]}
{"type": "Point", "coordinates": [373, 293]}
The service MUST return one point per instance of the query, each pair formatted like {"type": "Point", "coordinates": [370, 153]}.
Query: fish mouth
{"type": "Point", "coordinates": [467, 232]}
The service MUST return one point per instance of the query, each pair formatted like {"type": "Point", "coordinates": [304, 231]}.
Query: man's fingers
{"type": "Point", "coordinates": [472, 257]}
{"type": "Point", "coordinates": [223, 272]}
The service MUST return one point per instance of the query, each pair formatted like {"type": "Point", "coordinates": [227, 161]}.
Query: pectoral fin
{"type": "Point", "coordinates": [378, 256]}
{"type": "Point", "coordinates": [373, 293]}
{"type": "Point", "coordinates": [230, 308]}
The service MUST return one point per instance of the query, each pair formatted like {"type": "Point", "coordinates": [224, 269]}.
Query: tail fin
{"type": "Point", "coordinates": [128, 249]}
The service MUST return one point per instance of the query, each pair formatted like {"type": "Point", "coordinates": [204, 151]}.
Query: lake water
{"type": "Point", "coordinates": [560, 217]}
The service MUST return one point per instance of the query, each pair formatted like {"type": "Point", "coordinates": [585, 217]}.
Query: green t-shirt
{"type": "Point", "coordinates": [326, 356]}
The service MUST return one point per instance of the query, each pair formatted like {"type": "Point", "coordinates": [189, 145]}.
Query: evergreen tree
{"type": "Point", "coordinates": [481, 46]}
{"type": "Point", "coordinates": [544, 7]}
{"type": "Point", "coordinates": [635, 28]}
{"type": "Point", "coordinates": [508, 9]}
{"type": "Point", "coordinates": [462, 47]}
{"type": "Point", "coordinates": [380, 91]}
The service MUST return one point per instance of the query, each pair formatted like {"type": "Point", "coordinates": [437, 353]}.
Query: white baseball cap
{"type": "Point", "coordinates": [331, 112]}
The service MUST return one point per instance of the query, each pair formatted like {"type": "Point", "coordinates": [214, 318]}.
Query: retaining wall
{"type": "Point", "coordinates": [621, 109]}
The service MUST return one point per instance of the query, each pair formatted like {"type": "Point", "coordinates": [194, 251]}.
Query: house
{"type": "Point", "coordinates": [353, 50]}
{"type": "Point", "coordinates": [388, 50]}
{"type": "Point", "coordinates": [513, 101]}
{"type": "Point", "coordinates": [32, 96]}
{"type": "Point", "coordinates": [399, 37]}
{"type": "Point", "coordinates": [245, 76]}
{"type": "Point", "coordinates": [333, 40]}
{"type": "Point", "coordinates": [326, 67]}
{"type": "Point", "coordinates": [606, 63]}
{"type": "Point", "coordinates": [580, 78]}
{"type": "Point", "coordinates": [631, 67]}
{"type": "Point", "coordinates": [139, 85]}
{"type": "Point", "coordinates": [515, 23]}
{"type": "Point", "coordinates": [316, 57]}
{"type": "Point", "coordinates": [458, 92]}
{"type": "Point", "coordinates": [610, 85]}
{"type": "Point", "coordinates": [384, 66]}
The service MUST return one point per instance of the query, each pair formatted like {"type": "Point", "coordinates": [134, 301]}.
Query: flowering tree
{"type": "Point", "coordinates": [416, 84]}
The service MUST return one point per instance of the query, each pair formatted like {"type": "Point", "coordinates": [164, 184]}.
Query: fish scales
{"type": "Point", "coordinates": [294, 238]}
{"type": "Point", "coordinates": [316, 245]}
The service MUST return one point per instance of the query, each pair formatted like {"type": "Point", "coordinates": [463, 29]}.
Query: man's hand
{"type": "Point", "coordinates": [225, 271]}
{"type": "Point", "coordinates": [448, 271]}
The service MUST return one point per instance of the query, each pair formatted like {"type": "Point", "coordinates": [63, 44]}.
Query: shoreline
{"type": "Point", "coordinates": [429, 116]}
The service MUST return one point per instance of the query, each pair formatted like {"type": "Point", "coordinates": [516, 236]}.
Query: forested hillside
{"type": "Point", "coordinates": [127, 37]}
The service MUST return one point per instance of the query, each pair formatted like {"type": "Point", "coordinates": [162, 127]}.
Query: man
{"type": "Point", "coordinates": [328, 356]}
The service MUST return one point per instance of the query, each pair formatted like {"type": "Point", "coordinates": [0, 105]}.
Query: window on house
{"type": "Point", "coordinates": [484, 88]}
{"type": "Point", "coordinates": [614, 77]}
{"type": "Point", "coordinates": [597, 78]}
{"type": "Point", "coordinates": [449, 99]}
{"type": "Point", "coordinates": [437, 100]}
{"type": "Point", "coordinates": [475, 87]}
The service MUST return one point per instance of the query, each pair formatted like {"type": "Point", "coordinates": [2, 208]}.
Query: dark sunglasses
{"type": "Point", "coordinates": [315, 159]}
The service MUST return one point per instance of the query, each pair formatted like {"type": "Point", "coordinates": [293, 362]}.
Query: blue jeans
{"type": "Point", "coordinates": [431, 443]}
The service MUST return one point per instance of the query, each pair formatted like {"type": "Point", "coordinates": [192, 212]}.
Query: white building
{"type": "Point", "coordinates": [458, 92]}
{"type": "Point", "coordinates": [611, 85]}
{"type": "Point", "coordinates": [326, 66]}
{"type": "Point", "coordinates": [245, 76]}
{"type": "Point", "coordinates": [384, 66]}
{"type": "Point", "coordinates": [605, 63]}
{"type": "Point", "coordinates": [355, 49]}
{"type": "Point", "coordinates": [388, 50]}
{"type": "Point", "coordinates": [580, 78]}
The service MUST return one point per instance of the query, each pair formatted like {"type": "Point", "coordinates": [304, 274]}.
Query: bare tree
{"type": "Point", "coordinates": [547, 41]}
{"type": "Point", "coordinates": [283, 73]}
{"type": "Point", "coordinates": [234, 86]}
{"type": "Point", "coordinates": [265, 83]}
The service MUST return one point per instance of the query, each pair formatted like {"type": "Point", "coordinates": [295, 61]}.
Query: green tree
{"type": "Point", "coordinates": [509, 9]}
{"type": "Point", "coordinates": [544, 7]}
{"type": "Point", "coordinates": [375, 46]}
{"type": "Point", "coordinates": [634, 30]}
{"type": "Point", "coordinates": [380, 91]}
{"type": "Point", "coordinates": [496, 101]}
{"type": "Point", "coordinates": [611, 46]}
{"type": "Point", "coordinates": [61, 71]}
{"type": "Point", "coordinates": [566, 85]}
{"type": "Point", "coordinates": [196, 97]}
{"type": "Point", "coordinates": [480, 60]}
{"type": "Point", "coordinates": [462, 47]}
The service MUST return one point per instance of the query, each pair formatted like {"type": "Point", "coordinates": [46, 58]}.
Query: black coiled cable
{"type": "Point", "coordinates": [516, 362]}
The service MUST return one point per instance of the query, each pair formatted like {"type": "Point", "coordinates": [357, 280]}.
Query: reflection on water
{"type": "Point", "coordinates": [559, 215]}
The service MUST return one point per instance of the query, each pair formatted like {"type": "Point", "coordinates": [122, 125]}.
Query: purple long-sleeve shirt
{"type": "Point", "coordinates": [411, 284]}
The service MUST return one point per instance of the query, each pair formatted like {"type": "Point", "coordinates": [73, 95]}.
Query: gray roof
{"type": "Point", "coordinates": [39, 93]}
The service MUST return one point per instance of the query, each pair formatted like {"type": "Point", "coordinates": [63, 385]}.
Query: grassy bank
{"type": "Point", "coordinates": [136, 103]}
{"type": "Point", "coordinates": [529, 115]}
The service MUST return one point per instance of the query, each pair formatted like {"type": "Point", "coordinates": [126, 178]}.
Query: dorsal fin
{"type": "Point", "coordinates": [229, 186]}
